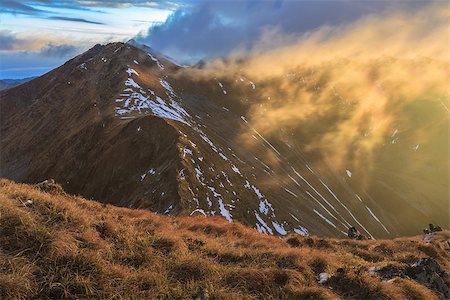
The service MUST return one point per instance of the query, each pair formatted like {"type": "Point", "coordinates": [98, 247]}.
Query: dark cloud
{"type": "Point", "coordinates": [196, 33]}
{"type": "Point", "coordinates": [9, 41]}
{"type": "Point", "coordinates": [27, 6]}
{"type": "Point", "coordinates": [163, 4]}
{"type": "Point", "coordinates": [207, 29]}
{"type": "Point", "coordinates": [74, 20]}
{"type": "Point", "coordinates": [59, 51]}
{"type": "Point", "coordinates": [18, 7]}
{"type": "Point", "coordinates": [40, 45]}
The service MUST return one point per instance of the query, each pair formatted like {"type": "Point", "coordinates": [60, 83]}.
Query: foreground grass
{"type": "Point", "coordinates": [53, 245]}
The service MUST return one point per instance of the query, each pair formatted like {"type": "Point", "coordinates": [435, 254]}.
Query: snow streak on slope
{"type": "Point", "coordinates": [135, 100]}
{"type": "Point", "coordinates": [210, 196]}
{"type": "Point", "coordinates": [226, 182]}
{"type": "Point", "coordinates": [215, 186]}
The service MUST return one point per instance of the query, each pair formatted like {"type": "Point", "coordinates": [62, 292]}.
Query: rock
{"type": "Point", "coordinates": [323, 278]}
{"type": "Point", "coordinates": [46, 182]}
{"type": "Point", "coordinates": [427, 237]}
{"type": "Point", "coordinates": [374, 270]}
{"type": "Point", "coordinates": [433, 228]}
{"type": "Point", "coordinates": [386, 272]}
{"type": "Point", "coordinates": [354, 234]}
{"type": "Point", "coordinates": [202, 294]}
{"type": "Point", "coordinates": [427, 271]}
{"type": "Point", "coordinates": [428, 232]}
{"type": "Point", "coordinates": [50, 186]}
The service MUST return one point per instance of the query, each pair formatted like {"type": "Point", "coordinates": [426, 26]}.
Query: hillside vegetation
{"type": "Point", "coordinates": [54, 245]}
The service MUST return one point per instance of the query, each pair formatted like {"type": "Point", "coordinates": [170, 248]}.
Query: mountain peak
{"type": "Point", "coordinates": [153, 52]}
{"type": "Point", "coordinates": [134, 43]}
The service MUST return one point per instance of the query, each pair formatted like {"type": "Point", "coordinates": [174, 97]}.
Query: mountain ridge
{"type": "Point", "coordinates": [124, 126]}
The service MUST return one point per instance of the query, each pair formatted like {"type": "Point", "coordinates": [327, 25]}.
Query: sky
{"type": "Point", "coordinates": [37, 36]}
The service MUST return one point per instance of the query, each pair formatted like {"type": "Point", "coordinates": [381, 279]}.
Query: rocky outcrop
{"type": "Point", "coordinates": [426, 271]}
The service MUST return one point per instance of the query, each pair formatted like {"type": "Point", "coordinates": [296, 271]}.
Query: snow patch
{"type": "Point", "coordinates": [292, 193]}
{"type": "Point", "coordinates": [279, 228]}
{"type": "Point", "coordinates": [302, 231]}
{"type": "Point", "coordinates": [378, 220]}
{"type": "Point", "coordinates": [131, 71]}
{"type": "Point", "coordinates": [149, 172]}
{"type": "Point", "coordinates": [131, 82]}
{"type": "Point", "coordinates": [265, 227]}
{"type": "Point", "coordinates": [235, 169]}
{"type": "Point", "coordinates": [224, 212]}
{"type": "Point", "coordinates": [199, 210]}
{"type": "Point", "coordinates": [257, 192]}
{"type": "Point", "coordinates": [323, 278]}
{"type": "Point", "coordinates": [326, 220]}
{"type": "Point", "coordinates": [168, 87]}
{"type": "Point", "coordinates": [187, 151]}
{"type": "Point", "coordinates": [223, 89]}
{"type": "Point", "coordinates": [155, 60]}
{"type": "Point", "coordinates": [167, 211]}
{"type": "Point", "coordinates": [223, 156]}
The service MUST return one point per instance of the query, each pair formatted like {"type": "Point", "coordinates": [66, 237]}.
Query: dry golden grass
{"type": "Point", "coordinates": [62, 246]}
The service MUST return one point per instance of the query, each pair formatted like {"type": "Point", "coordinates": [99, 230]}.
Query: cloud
{"type": "Point", "coordinates": [10, 41]}
{"type": "Point", "coordinates": [74, 20]}
{"type": "Point", "coordinates": [18, 7]}
{"type": "Point", "coordinates": [38, 45]}
{"type": "Point", "coordinates": [59, 51]}
{"type": "Point", "coordinates": [136, 3]}
{"type": "Point", "coordinates": [24, 57]}
{"type": "Point", "coordinates": [342, 89]}
{"type": "Point", "coordinates": [208, 29]}
{"type": "Point", "coordinates": [27, 7]}
{"type": "Point", "coordinates": [31, 53]}
{"type": "Point", "coordinates": [197, 34]}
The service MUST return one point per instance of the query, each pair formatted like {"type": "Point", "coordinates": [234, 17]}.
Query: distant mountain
{"type": "Point", "coordinates": [9, 83]}
{"type": "Point", "coordinates": [129, 127]}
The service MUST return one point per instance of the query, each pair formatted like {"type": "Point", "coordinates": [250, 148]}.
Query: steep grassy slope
{"type": "Point", "coordinates": [53, 245]}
